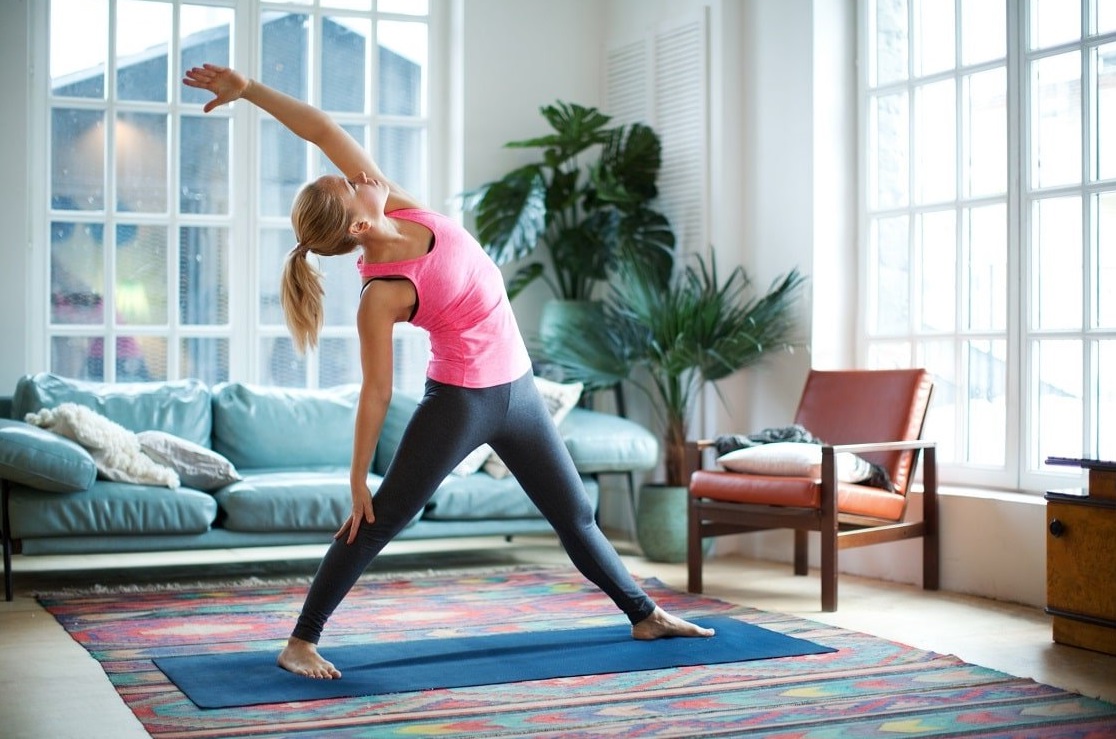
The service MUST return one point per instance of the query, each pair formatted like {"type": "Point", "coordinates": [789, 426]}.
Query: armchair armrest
{"type": "Point", "coordinates": [880, 446]}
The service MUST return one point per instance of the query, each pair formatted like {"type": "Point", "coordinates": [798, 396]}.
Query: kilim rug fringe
{"type": "Point", "coordinates": [259, 582]}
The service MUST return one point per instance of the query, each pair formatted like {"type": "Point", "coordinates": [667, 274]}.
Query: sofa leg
{"type": "Point", "coordinates": [7, 537]}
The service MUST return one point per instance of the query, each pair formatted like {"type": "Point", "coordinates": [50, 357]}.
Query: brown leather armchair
{"type": "Point", "coordinates": [875, 414]}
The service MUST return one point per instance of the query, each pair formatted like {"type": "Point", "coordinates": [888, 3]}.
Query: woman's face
{"type": "Point", "coordinates": [363, 196]}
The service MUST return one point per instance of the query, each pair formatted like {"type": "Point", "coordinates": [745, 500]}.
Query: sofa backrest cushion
{"type": "Point", "coordinates": [179, 407]}
{"type": "Point", "coordinates": [398, 416]}
{"type": "Point", "coordinates": [280, 428]}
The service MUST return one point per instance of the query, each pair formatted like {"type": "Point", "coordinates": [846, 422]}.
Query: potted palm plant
{"type": "Point", "coordinates": [585, 200]}
{"type": "Point", "coordinates": [669, 343]}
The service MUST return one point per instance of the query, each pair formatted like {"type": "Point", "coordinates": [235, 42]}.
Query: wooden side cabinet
{"type": "Point", "coordinates": [1081, 570]}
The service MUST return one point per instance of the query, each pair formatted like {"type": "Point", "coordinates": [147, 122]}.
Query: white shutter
{"type": "Point", "coordinates": [628, 88]}
{"type": "Point", "coordinates": [661, 79]}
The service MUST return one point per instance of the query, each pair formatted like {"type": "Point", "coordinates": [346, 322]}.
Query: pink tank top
{"type": "Point", "coordinates": [474, 338]}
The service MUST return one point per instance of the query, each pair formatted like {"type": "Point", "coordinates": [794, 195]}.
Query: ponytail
{"type": "Point", "coordinates": [321, 226]}
{"type": "Point", "coordinates": [301, 291]}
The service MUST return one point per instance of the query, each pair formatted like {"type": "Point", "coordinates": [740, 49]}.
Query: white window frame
{"type": "Point", "coordinates": [442, 179]}
{"type": "Point", "coordinates": [1024, 467]}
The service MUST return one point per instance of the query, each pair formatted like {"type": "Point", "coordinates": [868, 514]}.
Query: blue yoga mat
{"type": "Point", "coordinates": [252, 678]}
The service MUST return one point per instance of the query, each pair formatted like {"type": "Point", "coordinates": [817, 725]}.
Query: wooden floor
{"type": "Point", "coordinates": [51, 688]}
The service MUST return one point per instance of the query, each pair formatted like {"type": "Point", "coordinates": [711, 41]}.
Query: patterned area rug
{"type": "Point", "coordinates": [869, 687]}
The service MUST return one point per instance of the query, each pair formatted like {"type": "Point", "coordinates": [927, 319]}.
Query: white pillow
{"type": "Point", "coordinates": [560, 398]}
{"type": "Point", "coordinates": [115, 450]}
{"type": "Point", "coordinates": [795, 459]}
{"type": "Point", "coordinates": [197, 466]}
{"type": "Point", "coordinates": [473, 461]}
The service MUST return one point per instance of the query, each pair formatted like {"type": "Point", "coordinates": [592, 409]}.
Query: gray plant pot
{"type": "Point", "coordinates": [661, 523]}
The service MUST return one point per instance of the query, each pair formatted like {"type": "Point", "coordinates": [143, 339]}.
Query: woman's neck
{"type": "Point", "coordinates": [396, 241]}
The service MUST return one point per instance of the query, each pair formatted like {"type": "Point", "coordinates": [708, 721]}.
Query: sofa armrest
{"type": "Point", "coordinates": [41, 459]}
{"type": "Point", "coordinates": [601, 442]}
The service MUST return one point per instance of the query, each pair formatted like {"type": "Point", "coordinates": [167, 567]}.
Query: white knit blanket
{"type": "Point", "coordinates": [115, 450]}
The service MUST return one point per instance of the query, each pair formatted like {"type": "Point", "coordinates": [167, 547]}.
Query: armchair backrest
{"type": "Point", "coordinates": [866, 406]}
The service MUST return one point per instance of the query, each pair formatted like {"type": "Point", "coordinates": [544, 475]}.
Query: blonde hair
{"type": "Point", "coordinates": [321, 225]}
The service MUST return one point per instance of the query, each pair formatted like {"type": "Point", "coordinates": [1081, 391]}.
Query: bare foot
{"type": "Point", "coordinates": [302, 658]}
{"type": "Point", "coordinates": [661, 624]}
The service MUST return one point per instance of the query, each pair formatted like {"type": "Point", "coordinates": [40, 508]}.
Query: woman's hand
{"type": "Point", "coordinates": [225, 84]}
{"type": "Point", "coordinates": [362, 512]}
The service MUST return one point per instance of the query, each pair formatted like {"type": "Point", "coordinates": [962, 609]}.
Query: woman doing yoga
{"type": "Point", "coordinates": [421, 267]}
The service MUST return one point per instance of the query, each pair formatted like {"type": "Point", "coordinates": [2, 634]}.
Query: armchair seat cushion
{"type": "Point", "coordinates": [795, 492]}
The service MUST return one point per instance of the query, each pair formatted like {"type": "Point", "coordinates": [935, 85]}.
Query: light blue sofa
{"type": "Point", "coordinates": [291, 448]}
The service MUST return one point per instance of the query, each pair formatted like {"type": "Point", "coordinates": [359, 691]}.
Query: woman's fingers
{"type": "Point", "coordinates": [222, 82]}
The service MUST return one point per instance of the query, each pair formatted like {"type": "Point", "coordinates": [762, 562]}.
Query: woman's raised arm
{"type": "Point", "coordinates": [303, 119]}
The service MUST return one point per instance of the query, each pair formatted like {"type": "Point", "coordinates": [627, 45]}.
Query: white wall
{"type": "Point", "coordinates": [519, 56]}
{"type": "Point", "coordinates": [14, 56]}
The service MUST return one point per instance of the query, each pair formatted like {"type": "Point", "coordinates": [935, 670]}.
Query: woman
{"type": "Point", "coordinates": [421, 267]}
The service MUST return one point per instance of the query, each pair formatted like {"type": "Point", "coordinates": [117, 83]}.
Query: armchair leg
{"type": "Point", "coordinates": [801, 552]}
{"type": "Point", "coordinates": [829, 572]}
{"type": "Point", "coordinates": [931, 567]}
{"type": "Point", "coordinates": [694, 554]}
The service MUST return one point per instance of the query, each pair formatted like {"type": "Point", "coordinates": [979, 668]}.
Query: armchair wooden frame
{"type": "Point", "coordinates": [709, 517]}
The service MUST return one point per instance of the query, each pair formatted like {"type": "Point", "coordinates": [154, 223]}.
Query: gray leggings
{"type": "Point", "coordinates": [449, 423]}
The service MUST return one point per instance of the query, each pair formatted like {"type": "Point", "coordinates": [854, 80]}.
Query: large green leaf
{"type": "Point", "coordinates": [580, 254]}
{"type": "Point", "coordinates": [576, 127]}
{"type": "Point", "coordinates": [523, 277]}
{"type": "Point", "coordinates": [629, 166]}
{"type": "Point", "coordinates": [645, 235]}
{"type": "Point", "coordinates": [511, 214]}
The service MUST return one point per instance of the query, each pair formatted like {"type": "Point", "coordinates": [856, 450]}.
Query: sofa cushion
{"type": "Point", "coordinates": [600, 442]}
{"type": "Point", "coordinates": [258, 427]}
{"type": "Point", "coordinates": [179, 407]}
{"type": "Point", "coordinates": [40, 459]}
{"type": "Point", "coordinates": [560, 398]}
{"type": "Point", "coordinates": [287, 500]}
{"type": "Point", "coordinates": [395, 422]}
{"type": "Point", "coordinates": [481, 496]}
{"type": "Point", "coordinates": [111, 508]}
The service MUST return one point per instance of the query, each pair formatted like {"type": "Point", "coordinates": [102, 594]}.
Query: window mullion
{"type": "Point", "coordinates": [1088, 379]}
{"type": "Point", "coordinates": [1018, 143]}
{"type": "Point", "coordinates": [244, 204]}
{"type": "Point", "coordinates": [108, 357]}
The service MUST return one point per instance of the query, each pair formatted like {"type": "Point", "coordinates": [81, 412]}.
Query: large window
{"type": "Point", "coordinates": [990, 224]}
{"type": "Point", "coordinates": [167, 226]}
